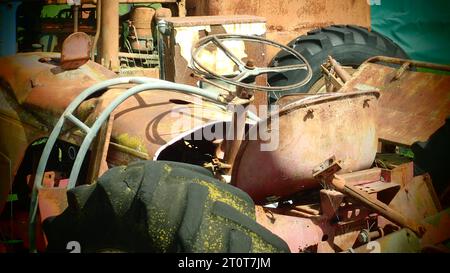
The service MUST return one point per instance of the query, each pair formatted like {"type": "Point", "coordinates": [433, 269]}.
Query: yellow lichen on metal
{"type": "Point", "coordinates": [132, 142]}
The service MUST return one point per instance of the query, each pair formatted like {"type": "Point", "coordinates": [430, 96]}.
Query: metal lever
{"type": "Point", "coordinates": [340, 184]}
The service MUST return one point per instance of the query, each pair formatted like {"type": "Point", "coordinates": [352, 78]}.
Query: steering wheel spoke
{"type": "Point", "coordinates": [236, 60]}
{"type": "Point", "coordinates": [280, 69]}
{"type": "Point", "coordinates": [242, 76]}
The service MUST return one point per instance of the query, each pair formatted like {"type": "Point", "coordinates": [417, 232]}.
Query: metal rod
{"type": "Point", "coordinates": [413, 63]}
{"type": "Point", "coordinates": [153, 57]}
{"type": "Point", "coordinates": [75, 18]}
{"type": "Point", "coordinates": [98, 28]}
{"type": "Point", "coordinates": [235, 135]}
{"type": "Point", "coordinates": [340, 71]}
{"type": "Point", "coordinates": [109, 43]}
{"type": "Point", "coordinates": [78, 122]}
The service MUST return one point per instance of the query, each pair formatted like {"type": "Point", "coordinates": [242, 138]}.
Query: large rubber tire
{"type": "Point", "coordinates": [349, 45]}
{"type": "Point", "coordinates": [157, 206]}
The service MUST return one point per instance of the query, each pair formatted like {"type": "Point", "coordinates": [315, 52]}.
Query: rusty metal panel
{"type": "Point", "coordinates": [53, 196]}
{"type": "Point", "coordinates": [362, 177]}
{"type": "Point", "coordinates": [297, 232]}
{"type": "Point", "coordinates": [26, 72]}
{"type": "Point", "coordinates": [411, 108]}
{"type": "Point", "coordinates": [213, 20]}
{"type": "Point", "coordinates": [396, 168]}
{"type": "Point", "coordinates": [76, 50]}
{"type": "Point", "coordinates": [417, 200]}
{"type": "Point", "coordinates": [310, 131]}
{"type": "Point", "coordinates": [287, 19]}
{"type": "Point", "coordinates": [405, 241]}
{"type": "Point", "coordinates": [402, 241]}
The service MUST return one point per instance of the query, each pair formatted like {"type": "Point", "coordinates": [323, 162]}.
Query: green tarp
{"type": "Point", "coordinates": [420, 27]}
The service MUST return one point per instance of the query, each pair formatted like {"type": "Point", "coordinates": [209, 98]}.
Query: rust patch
{"type": "Point", "coordinates": [411, 108]}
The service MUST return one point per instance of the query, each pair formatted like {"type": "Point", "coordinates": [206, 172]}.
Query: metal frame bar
{"type": "Point", "coordinates": [412, 63]}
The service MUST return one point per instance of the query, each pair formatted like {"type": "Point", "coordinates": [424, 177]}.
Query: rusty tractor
{"type": "Point", "coordinates": [138, 164]}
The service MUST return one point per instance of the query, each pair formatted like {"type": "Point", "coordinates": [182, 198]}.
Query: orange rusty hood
{"type": "Point", "coordinates": [37, 82]}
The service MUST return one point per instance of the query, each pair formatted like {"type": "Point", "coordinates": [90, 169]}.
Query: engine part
{"type": "Point", "coordinates": [141, 34]}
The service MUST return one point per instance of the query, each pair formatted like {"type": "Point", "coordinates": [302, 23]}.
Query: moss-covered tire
{"type": "Point", "coordinates": [157, 206]}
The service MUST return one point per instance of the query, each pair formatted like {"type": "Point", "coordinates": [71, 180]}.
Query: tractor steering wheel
{"type": "Point", "coordinates": [247, 71]}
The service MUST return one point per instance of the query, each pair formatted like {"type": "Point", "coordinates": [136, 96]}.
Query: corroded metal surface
{"type": "Point", "coordinates": [310, 131]}
{"type": "Point", "coordinates": [411, 108]}
{"type": "Point", "coordinates": [417, 200]}
{"type": "Point", "coordinates": [288, 19]}
{"type": "Point", "coordinates": [402, 241]}
{"type": "Point", "coordinates": [146, 119]}
{"type": "Point", "coordinates": [75, 51]}
{"type": "Point", "coordinates": [27, 72]}
{"type": "Point", "coordinates": [405, 241]}
{"type": "Point", "coordinates": [149, 120]}
{"type": "Point", "coordinates": [297, 232]}
{"type": "Point", "coordinates": [335, 224]}
{"type": "Point", "coordinates": [109, 35]}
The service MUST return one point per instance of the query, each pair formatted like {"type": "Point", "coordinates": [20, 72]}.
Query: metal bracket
{"type": "Point", "coordinates": [326, 170]}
